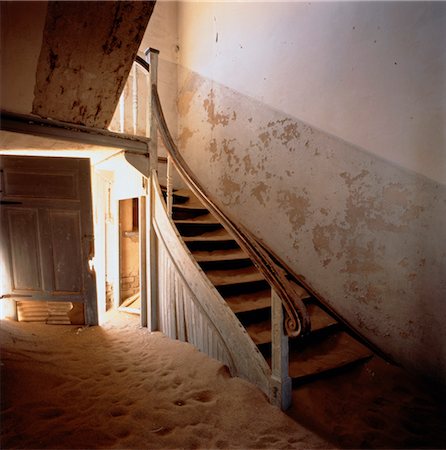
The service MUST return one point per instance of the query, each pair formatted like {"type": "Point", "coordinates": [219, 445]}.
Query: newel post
{"type": "Point", "coordinates": [152, 59]}
{"type": "Point", "coordinates": [281, 385]}
{"type": "Point", "coordinates": [152, 288]}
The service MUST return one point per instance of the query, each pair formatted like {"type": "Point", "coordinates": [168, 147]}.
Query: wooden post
{"type": "Point", "coordinates": [281, 386]}
{"type": "Point", "coordinates": [152, 310]}
{"type": "Point", "coordinates": [152, 59]}
{"type": "Point", "coordinates": [169, 186]}
{"type": "Point", "coordinates": [143, 259]}
{"type": "Point", "coordinates": [135, 98]}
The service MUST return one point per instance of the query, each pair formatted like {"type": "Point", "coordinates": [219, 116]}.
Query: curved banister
{"type": "Point", "coordinates": [297, 321]}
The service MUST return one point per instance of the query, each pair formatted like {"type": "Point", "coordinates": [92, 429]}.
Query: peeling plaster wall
{"type": "Point", "coordinates": [87, 51]}
{"type": "Point", "coordinates": [371, 73]}
{"type": "Point", "coordinates": [369, 236]}
{"type": "Point", "coordinates": [366, 232]}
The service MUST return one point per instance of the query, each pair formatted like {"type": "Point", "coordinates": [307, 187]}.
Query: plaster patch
{"type": "Point", "coordinates": [230, 190]}
{"type": "Point", "coordinates": [259, 191]}
{"type": "Point", "coordinates": [249, 166]}
{"type": "Point", "coordinates": [295, 207]}
{"type": "Point", "coordinates": [213, 117]}
{"type": "Point", "coordinates": [185, 135]}
{"type": "Point", "coordinates": [184, 102]}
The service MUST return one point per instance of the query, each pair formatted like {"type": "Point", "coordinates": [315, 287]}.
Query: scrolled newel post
{"type": "Point", "coordinates": [281, 384]}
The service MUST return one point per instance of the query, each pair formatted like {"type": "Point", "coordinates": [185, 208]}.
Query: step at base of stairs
{"type": "Point", "coordinates": [335, 352]}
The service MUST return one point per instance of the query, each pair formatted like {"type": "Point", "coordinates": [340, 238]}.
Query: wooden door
{"type": "Point", "coordinates": [47, 231]}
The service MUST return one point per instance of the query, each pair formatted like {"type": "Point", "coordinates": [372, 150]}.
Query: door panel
{"type": "Point", "coordinates": [40, 185]}
{"type": "Point", "coordinates": [24, 241]}
{"type": "Point", "coordinates": [47, 230]}
{"type": "Point", "coordinates": [67, 252]}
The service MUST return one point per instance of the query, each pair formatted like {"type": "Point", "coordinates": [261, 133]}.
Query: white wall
{"type": "Point", "coordinates": [162, 34]}
{"type": "Point", "coordinates": [371, 73]}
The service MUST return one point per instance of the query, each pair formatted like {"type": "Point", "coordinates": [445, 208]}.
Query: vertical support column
{"type": "Point", "coordinates": [143, 258]}
{"type": "Point", "coordinates": [281, 386]}
{"type": "Point", "coordinates": [152, 59]}
{"type": "Point", "coordinates": [152, 311]}
{"type": "Point", "coordinates": [169, 186]}
{"type": "Point", "coordinates": [135, 98]}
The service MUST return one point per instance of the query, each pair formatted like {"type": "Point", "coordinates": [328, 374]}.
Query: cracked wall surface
{"type": "Point", "coordinates": [69, 60]}
{"type": "Point", "coordinates": [369, 236]}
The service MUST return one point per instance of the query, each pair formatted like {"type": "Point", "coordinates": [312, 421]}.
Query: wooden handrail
{"type": "Point", "coordinates": [296, 321]}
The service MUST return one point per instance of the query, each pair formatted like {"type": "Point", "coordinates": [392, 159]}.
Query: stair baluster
{"type": "Point", "coordinates": [281, 385]}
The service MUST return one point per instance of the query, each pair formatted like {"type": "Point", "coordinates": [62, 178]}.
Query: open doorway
{"type": "Point", "coordinates": [129, 277]}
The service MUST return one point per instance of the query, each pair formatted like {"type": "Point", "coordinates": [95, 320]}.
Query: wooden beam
{"type": "Point", "coordinates": [36, 126]}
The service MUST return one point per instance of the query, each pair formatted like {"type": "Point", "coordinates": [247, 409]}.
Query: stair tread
{"type": "Point", "coordinates": [220, 255]}
{"type": "Point", "coordinates": [260, 332]}
{"type": "Point", "coordinates": [190, 206]}
{"type": "Point", "coordinates": [234, 276]}
{"type": "Point", "coordinates": [334, 352]}
{"type": "Point", "coordinates": [207, 219]}
{"type": "Point", "coordinates": [250, 301]}
{"type": "Point", "coordinates": [216, 235]}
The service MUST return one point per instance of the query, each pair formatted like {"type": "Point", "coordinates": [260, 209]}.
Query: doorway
{"type": "Point", "coordinates": [129, 264]}
{"type": "Point", "coordinates": [46, 238]}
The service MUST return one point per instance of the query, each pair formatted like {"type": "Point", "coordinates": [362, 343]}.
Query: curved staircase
{"type": "Point", "coordinates": [328, 348]}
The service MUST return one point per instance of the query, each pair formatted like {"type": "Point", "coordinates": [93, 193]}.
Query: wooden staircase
{"type": "Point", "coordinates": [328, 348]}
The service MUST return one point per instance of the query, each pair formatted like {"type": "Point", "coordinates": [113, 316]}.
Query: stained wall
{"type": "Point", "coordinates": [304, 129]}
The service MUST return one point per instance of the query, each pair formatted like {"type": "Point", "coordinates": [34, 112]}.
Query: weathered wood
{"type": "Point", "coordinates": [134, 98]}
{"type": "Point", "coordinates": [281, 385]}
{"type": "Point", "coordinates": [152, 59]}
{"type": "Point", "coordinates": [209, 323]}
{"type": "Point", "coordinates": [169, 186]}
{"type": "Point", "coordinates": [152, 310]}
{"type": "Point", "coordinates": [49, 204]}
{"type": "Point", "coordinates": [143, 258]}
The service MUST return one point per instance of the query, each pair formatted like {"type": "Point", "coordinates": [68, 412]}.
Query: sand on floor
{"type": "Point", "coordinates": [119, 386]}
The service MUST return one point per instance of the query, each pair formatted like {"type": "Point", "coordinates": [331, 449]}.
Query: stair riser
{"type": "Point", "coordinates": [212, 245]}
{"type": "Point", "coordinates": [242, 288]}
{"type": "Point", "coordinates": [186, 229]}
{"type": "Point", "coordinates": [259, 315]}
{"type": "Point", "coordinates": [186, 214]}
{"type": "Point", "coordinates": [225, 265]}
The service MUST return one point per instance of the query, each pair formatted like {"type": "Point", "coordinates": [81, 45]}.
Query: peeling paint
{"type": "Point", "coordinates": [260, 192]}
{"type": "Point", "coordinates": [213, 117]}
{"type": "Point", "coordinates": [295, 207]}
